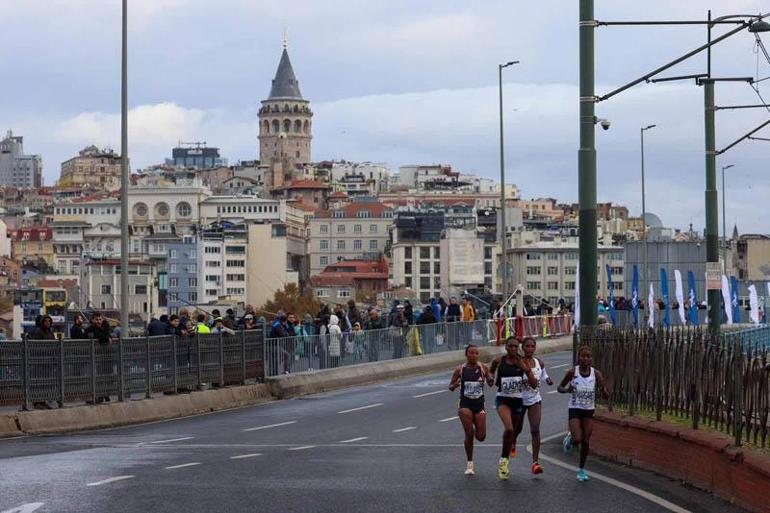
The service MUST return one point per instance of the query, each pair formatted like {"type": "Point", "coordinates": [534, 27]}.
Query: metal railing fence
{"type": "Point", "coordinates": [313, 352]}
{"type": "Point", "coordinates": [66, 371]}
{"type": "Point", "coordinates": [722, 382]}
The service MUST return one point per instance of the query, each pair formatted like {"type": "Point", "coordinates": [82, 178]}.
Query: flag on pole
{"type": "Point", "coordinates": [754, 304]}
{"type": "Point", "coordinates": [694, 319]}
{"type": "Point", "coordinates": [651, 307]}
{"type": "Point", "coordinates": [611, 287]}
{"type": "Point", "coordinates": [734, 300]}
{"type": "Point", "coordinates": [726, 299]}
{"type": "Point", "coordinates": [666, 299]}
{"type": "Point", "coordinates": [577, 298]}
{"type": "Point", "coordinates": [679, 295]}
{"type": "Point", "coordinates": [635, 296]}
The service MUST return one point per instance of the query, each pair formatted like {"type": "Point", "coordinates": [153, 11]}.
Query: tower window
{"type": "Point", "coordinates": [276, 126]}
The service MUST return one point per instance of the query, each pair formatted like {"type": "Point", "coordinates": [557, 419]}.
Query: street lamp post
{"type": "Point", "coordinates": [724, 219]}
{"type": "Point", "coordinates": [644, 208]}
{"type": "Point", "coordinates": [587, 169]}
{"type": "Point", "coordinates": [501, 211]}
{"type": "Point", "coordinates": [124, 179]}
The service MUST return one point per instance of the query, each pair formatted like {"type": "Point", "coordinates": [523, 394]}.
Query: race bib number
{"type": "Point", "coordinates": [511, 386]}
{"type": "Point", "coordinates": [584, 397]}
{"type": "Point", "coordinates": [473, 390]}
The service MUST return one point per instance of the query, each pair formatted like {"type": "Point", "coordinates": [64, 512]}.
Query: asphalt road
{"type": "Point", "coordinates": [393, 447]}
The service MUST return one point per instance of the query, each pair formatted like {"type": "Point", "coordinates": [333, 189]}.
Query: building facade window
{"type": "Point", "coordinates": [533, 285]}
{"type": "Point", "coordinates": [534, 271]}
{"type": "Point", "coordinates": [324, 244]}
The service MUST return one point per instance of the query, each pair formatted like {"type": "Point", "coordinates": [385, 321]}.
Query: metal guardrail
{"type": "Point", "coordinates": [313, 352]}
{"type": "Point", "coordinates": [722, 382]}
{"type": "Point", "coordinates": [42, 371]}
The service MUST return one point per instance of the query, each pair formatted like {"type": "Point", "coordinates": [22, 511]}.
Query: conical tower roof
{"type": "Point", "coordinates": [285, 85]}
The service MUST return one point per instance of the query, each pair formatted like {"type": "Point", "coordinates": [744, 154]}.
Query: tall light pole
{"type": "Point", "coordinates": [587, 168]}
{"type": "Point", "coordinates": [644, 210]}
{"type": "Point", "coordinates": [501, 211]}
{"type": "Point", "coordinates": [124, 179]}
{"type": "Point", "coordinates": [724, 220]}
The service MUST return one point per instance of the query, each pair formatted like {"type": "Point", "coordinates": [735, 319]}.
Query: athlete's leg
{"type": "Point", "coordinates": [507, 417]}
{"type": "Point", "coordinates": [517, 419]}
{"type": "Point", "coordinates": [535, 413]}
{"type": "Point", "coordinates": [466, 417]}
{"type": "Point", "coordinates": [587, 427]}
{"type": "Point", "coordinates": [480, 423]}
{"type": "Point", "coordinates": [575, 427]}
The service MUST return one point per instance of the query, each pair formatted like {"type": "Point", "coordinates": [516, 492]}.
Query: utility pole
{"type": "Point", "coordinates": [724, 220]}
{"type": "Point", "coordinates": [712, 206]}
{"type": "Point", "coordinates": [501, 211]}
{"type": "Point", "coordinates": [124, 180]}
{"type": "Point", "coordinates": [587, 167]}
{"type": "Point", "coordinates": [644, 212]}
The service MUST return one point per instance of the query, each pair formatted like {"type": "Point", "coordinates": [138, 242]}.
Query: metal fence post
{"type": "Point", "coordinates": [175, 364]}
{"type": "Point", "coordinates": [25, 372]}
{"type": "Point", "coordinates": [697, 392]}
{"type": "Point", "coordinates": [120, 369]}
{"type": "Point", "coordinates": [198, 368]}
{"type": "Point", "coordinates": [738, 400]}
{"type": "Point", "coordinates": [243, 357]}
{"type": "Point", "coordinates": [149, 368]}
{"type": "Point", "coordinates": [93, 371]}
{"type": "Point", "coordinates": [61, 373]}
{"type": "Point", "coordinates": [659, 379]}
{"type": "Point", "coordinates": [221, 361]}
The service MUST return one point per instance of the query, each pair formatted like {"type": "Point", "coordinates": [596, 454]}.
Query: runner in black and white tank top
{"type": "Point", "coordinates": [470, 378]}
{"type": "Point", "coordinates": [582, 383]}
{"type": "Point", "coordinates": [533, 401]}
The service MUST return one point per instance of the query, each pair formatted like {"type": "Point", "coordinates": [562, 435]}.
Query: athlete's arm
{"type": "Point", "coordinates": [488, 376]}
{"type": "Point", "coordinates": [455, 381]}
{"type": "Point", "coordinates": [565, 387]}
{"type": "Point", "coordinates": [602, 383]}
{"type": "Point", "coordinates": [544, 374]}
{"type": "Point", "coordinates": [495, 365]}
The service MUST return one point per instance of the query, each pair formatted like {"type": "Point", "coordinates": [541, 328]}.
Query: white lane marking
{"type": "Point", "coordinates": [172, 440]}
{"type": "Point", "coordinates": [362, 408]}
{"type": "Point", "coordinates": [429, 393]}
{"type": "Point", "coordinates": [244, 456]}
{"type": "Point", "coordinates": [258, 428]}
{"type": "Point", "coordinates": [449, 418]}
{"type": "Point", "coordinates": [110, 480]}
{"type": "Point", "coordinates": [354, 440]}
{"type": "Point", "coordinates": [302, 447]}
{"type": "Point", "coordinates": [660, 501]}
{"type": "Point", "coordinates": [183, 465]}
{"type": "Point", "coordinates": [404, 429]}
{"type": "Point", "coordinates": [553, 392]}
{"type": "Point", "coordinates": [560, 366]}
{"type": "Point", "coordinates": [25, 508]}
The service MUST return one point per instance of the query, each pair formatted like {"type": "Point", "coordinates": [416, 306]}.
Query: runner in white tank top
{"type": "Point", "coordinates": [582, 383]}
{"type": "Point", "coordinates": [533, 402]}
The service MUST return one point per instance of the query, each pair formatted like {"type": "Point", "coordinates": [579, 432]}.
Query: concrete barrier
{"type": "Point", "coordinates": [136, 412]}
{"type": "Point", "coordinates": [304, 383]}
{"type": "Point", "coordinates": [78, 418]}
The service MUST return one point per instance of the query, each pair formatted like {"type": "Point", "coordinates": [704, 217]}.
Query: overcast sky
{"type": "Point", "coordinates": [395, 81]}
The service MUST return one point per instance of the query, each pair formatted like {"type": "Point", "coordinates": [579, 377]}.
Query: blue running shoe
{"type": "Point", "coordinates": [566, 444]}
{"type": "Point", "coordinates": [582, 476]}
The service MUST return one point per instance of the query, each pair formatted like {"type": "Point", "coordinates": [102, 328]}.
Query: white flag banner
{"type": "Point", "coordinates": [728, 301]}
{"type": "Point", "coordinates": [577, 298]}
{"type": "Point", "coordinates": [651, 307]}
{"type": "Point", "coordinates": [754, 304]}
{"type": "Point", "coordinates": [679, 295]}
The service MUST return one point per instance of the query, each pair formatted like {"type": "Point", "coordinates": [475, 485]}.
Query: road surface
{"type": "Point", "coordinates": [392, 447]}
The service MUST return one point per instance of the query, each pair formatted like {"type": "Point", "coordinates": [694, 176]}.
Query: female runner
{"type": "Point", "coordinates": [470, 377]}
{"type": "Point", "coordinates": [511, 374]}
{"type": "Point", "coordinates": [533, 402]}
{"type": "Point", "coordinates": [582, 383]}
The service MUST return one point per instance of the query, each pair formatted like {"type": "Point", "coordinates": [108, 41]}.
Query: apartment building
{"type": "Point", "coordinates": [94, 167]}
{"type": "Point", "coordinates": [360, 229]}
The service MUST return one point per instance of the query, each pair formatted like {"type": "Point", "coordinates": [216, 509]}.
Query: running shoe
{"type": "Point", "coordinates": [582, 475]}
{"type": "Point", "coordinates": [566, 444]}
{"type": "Point", "coordinates": [503, 472]}
{"type": "Point", "coordinates": [469, 469]}
{"type": "Point", "coordinates": [536, 468]}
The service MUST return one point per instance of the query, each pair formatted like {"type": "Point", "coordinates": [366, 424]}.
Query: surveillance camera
{"type": "Point", "coordinates": [605, 124]}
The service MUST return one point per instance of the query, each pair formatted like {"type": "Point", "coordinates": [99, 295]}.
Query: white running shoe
{"type": "Point", "coordinates": [469, 469]}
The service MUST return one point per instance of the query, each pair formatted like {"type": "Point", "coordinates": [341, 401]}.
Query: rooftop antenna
{"type": "Point", "coordinates": [285, 38]}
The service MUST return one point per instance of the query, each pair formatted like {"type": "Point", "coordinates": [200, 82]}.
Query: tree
{"type": "Point", "coordinates": [290, 299]}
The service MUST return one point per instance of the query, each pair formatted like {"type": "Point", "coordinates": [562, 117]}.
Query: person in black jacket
{"type": "Point", "coordinates": [77, 332]}
{"type": "Point", "coordinates": [44, 331]}
{"type": "Point", "coordinates": [99, 330]}
{"type": "Point", "coordinates": [157, 327]}
{"type": "Point", "coordinates": [427, 317]}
